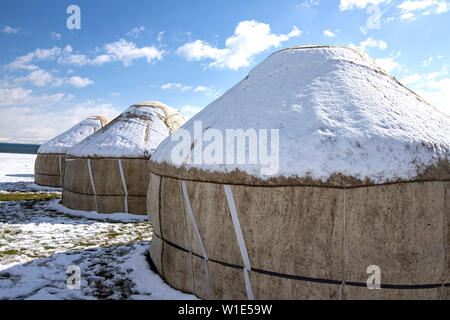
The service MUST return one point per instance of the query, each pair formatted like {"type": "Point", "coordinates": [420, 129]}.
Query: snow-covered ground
{"type": "Point", "coordinates": [17, 173]}
{"type": "Point", "coordinates": [40, 240]}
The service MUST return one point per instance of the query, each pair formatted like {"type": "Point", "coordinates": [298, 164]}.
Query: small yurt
{"type": "Point", "coordinates": [50, 159]}
{"type": "Point", "coordinates": [318, 176]}
{"type": "Point", "coordinates": [107, 172]}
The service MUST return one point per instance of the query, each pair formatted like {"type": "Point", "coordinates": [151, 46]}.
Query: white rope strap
{"type": "Point", "coordinates": [240, 239]}
{"type": "Point", "coordinates": [344, 247]}
{"type": "Point", "coordinates": [187, 233]}
{"type": "Point", "coordinates": [185, 221]}
{"type": "Point", "coordinates": [125, 190]}
{"type": "Point", "coordinates": [194, 224]}
{"type": "Point", "coordinates": [441, 295]}
{"type": "Point", "coordinates": [92, 183]}
{"type": "Point", "coordinates": [60, 170]}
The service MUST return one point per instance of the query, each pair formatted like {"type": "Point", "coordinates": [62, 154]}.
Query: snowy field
{"type": "Point", "coordinates": [40, 239]}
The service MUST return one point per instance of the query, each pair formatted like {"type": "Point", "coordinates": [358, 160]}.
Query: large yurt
{"type": "Point", "coordinates": [348, 197]}
{"type": "Point", "coordinates": [50, 159]}
{"type": "Point", "coordinates": [107, 172]}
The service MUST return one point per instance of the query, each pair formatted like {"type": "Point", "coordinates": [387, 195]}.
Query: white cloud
{"type": "Point", "coordinates": [410, 8]}
{"type": "Point", "coordinates": [426, 62]}
{"type": "Point", "coordinates": [42, 78]}
{"type": "Point", "coordinates": [21, 96]}
{"type": "Point", "coordinates": [135, 32]}
{"type": "Point", "coordinates": [201, 89]}
{"type": "Point", "coordinates": [56, 36]}
{"type": "Point", "coordinates": [121, 50]}
{"type": "Point", "coordinates": [76, 59]}
{"type": "Point", "coordinates": [67, 49]}
{"type": "Point", "coordinates": [24, 62]}
{"type": "Point", "coordinates": [101, 59]}
{"type": "Point", "coordinates": [408, 16]}
{"type": "Point", "coordinates": [430, 59]}
{"type": "Point", "coordinates": [309, 3]}
{"type": "Point", "coordinates": [388, 64]}
{"type": "Point", "coordinates": [39, 78]}
{"type": "Point", "coordinates": [115, 94]}
{"type": "Point", "coordinates": [39, 124]}
{"type": "Point", "coordinates": [73, 59]}
{"type": "Point", "coordinates": [415, 5]}
{"type": "Point", "coordinates": [414, 78]}
{"type": "Point", "coordinates": [127, 52]}
{"type": "Point", "coordinates": [328, 33]}
{"type": "Point", "coordinates": [370, 43]}
{"type": "Point", "coordinates": [10, 30]}
{"type": "Point", "coordinates": [79, 82]}
{"type": "Point", "coordinates": [359, 4]}
{"type": "Point", "coordinates": [184, 88]}
{"type": "Point", "coordinates": [434, 87]}
{"type": "Point", "coordinates": [249, 39]}
{"type": "Point", "coordinates": [47, 54]}
{"type": "Point", "coordinates": [160, 36]}
{"type": "Point", "coordinates": [172, 85]}
{"type": "Point", "coordinates": [189, 111]}
{"type": "Point", "coordinates": [4, 84]}
{"type": "Point", "coordinates": [437, 92]}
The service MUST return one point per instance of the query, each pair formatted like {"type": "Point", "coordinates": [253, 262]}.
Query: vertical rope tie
{"type": "Point", "coordinates": [194, 224]}
{"type": "Point", "coordinates": [344, 247]}
{"type": "Point", "coordinates": [187, 233]}
{"type": "Point", "coordinates": [240, 239]}
{"type": "Point", "coordinates": [185, 221]}
{"type": "Point", "coordinates": [441, 295]}
{"type": "Point", "coordinates": [124, 184]}
{"type": "Point", "coordinates": [92, 183]}
{"type": "Point", "coordinates": [60, 170]}
{"type": "Point", "coordinates": [160, 229]}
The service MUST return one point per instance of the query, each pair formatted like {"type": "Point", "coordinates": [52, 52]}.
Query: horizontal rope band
{"type": "Point", "coordinates": [105, 195]}
{"type": "Point", "coordinates": [51, 154]}
{"type": "Point", "coordinates": [46, 174]}
{"type": "Point", "coordinates": [70, 157]}
{"type": "Point", "coordinates": [310, 279]}
{"type": "Point", "coordinates": [286, 185]}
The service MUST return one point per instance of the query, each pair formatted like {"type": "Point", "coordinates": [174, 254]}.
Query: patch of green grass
{"type": "Point", "coordinates": [9, 253]}
{"type": "Point", "coordinates": [11, 232]}
{"type": "Point", "coordinates": [15, 196]}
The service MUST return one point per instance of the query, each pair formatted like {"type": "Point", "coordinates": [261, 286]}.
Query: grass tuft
{"type": "Point", "coordinates": [15, 196]}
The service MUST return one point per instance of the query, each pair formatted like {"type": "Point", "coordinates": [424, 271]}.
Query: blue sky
{"type": "Point", "coordinates": [187, 53]}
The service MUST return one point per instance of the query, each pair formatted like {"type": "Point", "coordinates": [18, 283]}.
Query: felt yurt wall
{"type": "Point", "coordinates": [363, 182]}
{"type": "Point", "coordinates": [50, 159]}
{"type": "Point", "coordinates": [107, 172]}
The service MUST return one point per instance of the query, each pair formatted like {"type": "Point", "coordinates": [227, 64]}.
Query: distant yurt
{"type": "Point", "coordinates": [107, 172]}
{"type": "Point", "coordinates": [348, 197]}
{"type": "Point", "coordinates": [50, 159]}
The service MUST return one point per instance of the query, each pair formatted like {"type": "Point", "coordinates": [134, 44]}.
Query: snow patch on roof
{"type": "Point", "coordinates": [134, 134]}
{"type": "Point", "coordinates": [336, 111]}
{"type": "Point", "coordinates": [63, 142]}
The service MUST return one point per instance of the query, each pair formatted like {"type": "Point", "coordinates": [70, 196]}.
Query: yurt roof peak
{"type": "Point", "coordinates": [337, 113]}
{"type": "Point", "coordinates": [135, 133]}
{"type": "Point", "coordinates": [103, 120]}
{"type": "Point", "coordinates": [63, 142]}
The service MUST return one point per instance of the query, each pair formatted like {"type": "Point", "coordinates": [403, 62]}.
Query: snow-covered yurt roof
{"type": "Point", "coordinates": [63, 142]}
{"type": "Point", "coordinates": [135, 133]}
{"type": "Point", "coordinates": [337, 113]}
